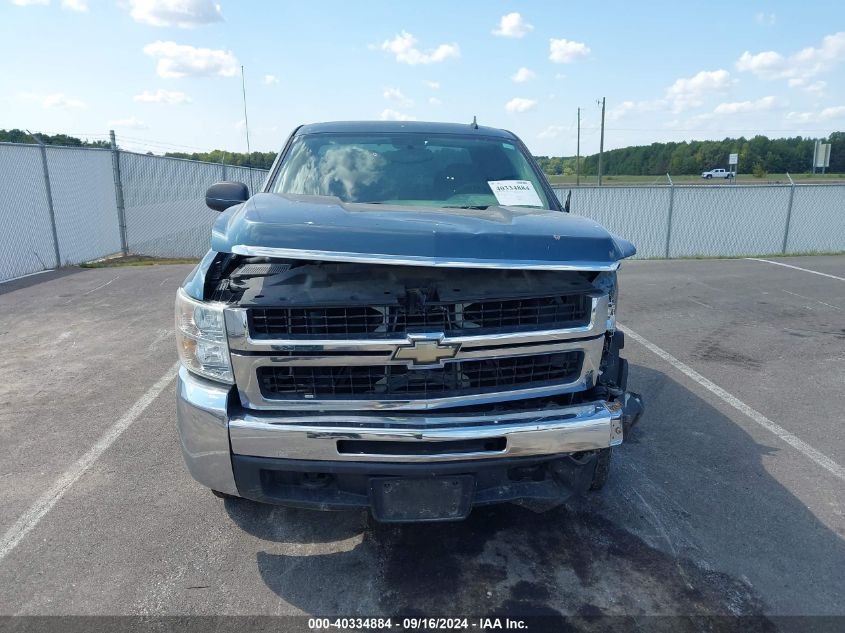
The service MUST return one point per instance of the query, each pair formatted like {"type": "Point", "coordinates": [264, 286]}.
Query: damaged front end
{"type": "Point", "coordinates": [506, 383]}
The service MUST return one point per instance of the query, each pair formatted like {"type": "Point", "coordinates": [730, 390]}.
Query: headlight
{"type": "Point", "coordinates": [609, 283]}
{"type": "Point", "coordinates": [201, 338]}
{"type": "Point", "coordinates": [613, 299]}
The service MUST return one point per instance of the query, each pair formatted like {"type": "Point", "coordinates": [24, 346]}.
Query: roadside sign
{"type": "Point", "coordinates": [733, 159]}
{"type": "Point", "coordinates": [822, 155]}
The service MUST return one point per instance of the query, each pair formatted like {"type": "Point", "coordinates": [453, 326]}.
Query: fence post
{"type": "Point", "coordinates": [788, 213]}
{"type": "Point", "coordinates": [669, 217]}
{"type": "Point", "coordinates": [49, 190]}
{"type": "Point", "coordinates": [118, 194]}
{"type": "Point", "coordinates": [222, 170]}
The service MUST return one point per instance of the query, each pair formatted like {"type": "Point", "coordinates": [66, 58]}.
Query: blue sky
{"type": "Point", "coordinates": [165, 74]}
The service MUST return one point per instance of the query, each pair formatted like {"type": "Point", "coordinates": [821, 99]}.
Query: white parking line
{"type": "Point", "coordinates": [40, 272]}
{"type": "Point", "coordinates": [800, 445]}
{"type": "Point", "coordinates": [806, 270]}
{"type": "Point", "coordinates": [30, 519]}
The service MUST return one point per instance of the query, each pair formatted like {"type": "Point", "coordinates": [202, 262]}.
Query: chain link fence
{"type": "Point", "coordinates": [67, 205]}
{"type": "Point", "coordinates": [164, 202]}
{"type": "Point", "coordinates": [718, 220]}
{"type": "Point", "coordinates": [26, 239]}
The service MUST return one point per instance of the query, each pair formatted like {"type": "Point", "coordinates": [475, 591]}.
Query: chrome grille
{"type": "Point", "coordinates": [454, 319]}
{"type": "Point", "coordinates": [522, 352]}
{"type": "Point", "coordinates": [397, 381]}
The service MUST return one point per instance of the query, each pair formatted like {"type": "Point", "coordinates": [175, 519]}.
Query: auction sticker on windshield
{"type": "Point", "coordinates": [515, 193]}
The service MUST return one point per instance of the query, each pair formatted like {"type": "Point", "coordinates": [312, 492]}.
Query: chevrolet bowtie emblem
{"type": "Point", "coordinates": [426, 349]}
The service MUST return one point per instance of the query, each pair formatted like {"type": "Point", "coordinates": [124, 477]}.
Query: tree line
{"type": "Point", "coordinates": [22, 136]}
{"type": "Point", "coordinates": [758, 155]}
{"type": "Point", "coordinates": [258, 160]}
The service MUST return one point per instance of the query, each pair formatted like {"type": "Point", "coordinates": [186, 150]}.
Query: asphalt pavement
{"type": "Point", "coordinates": [727, 499]}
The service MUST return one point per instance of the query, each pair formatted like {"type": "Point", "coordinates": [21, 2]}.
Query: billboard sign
{"type": "Point", "coordinates": [822, 157]}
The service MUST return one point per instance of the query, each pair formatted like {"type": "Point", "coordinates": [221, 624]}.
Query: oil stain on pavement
{"type": "Point", "coordinates": [505, 560]}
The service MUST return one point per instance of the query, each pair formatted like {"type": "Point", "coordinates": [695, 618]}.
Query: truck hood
{"type": "Point", "coordinates": [326, 229]}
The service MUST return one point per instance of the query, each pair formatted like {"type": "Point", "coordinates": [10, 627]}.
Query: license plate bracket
{"type": "Point", "coordinates": [403, 499]}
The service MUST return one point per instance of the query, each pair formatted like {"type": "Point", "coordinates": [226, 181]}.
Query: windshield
{"type": "Point", "coordinates": [446, 170]}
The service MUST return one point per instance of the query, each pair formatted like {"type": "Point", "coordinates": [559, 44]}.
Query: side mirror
{"type": "Point", "coordinates": [222, 195]}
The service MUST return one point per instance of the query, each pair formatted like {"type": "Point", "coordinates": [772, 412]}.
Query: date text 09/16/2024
{"type": "Point", "coordinates": [416, 624]}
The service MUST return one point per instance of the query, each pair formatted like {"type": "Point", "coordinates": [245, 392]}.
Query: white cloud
{"type": "Point", "coordinates": [403, 47]}
{"type": "Point", "coordinates": [518, 104]}
{"type": "Point", "coordinates": [392, 115]}
{"type": "Point", "coordinates": [59, 101]}
{"type": "Point", "coordinates": [799, 66]}
{"type": "Point", "coordinates": [690, 92]}
{"type": "Point", "coordinates": [765, 18]}
{"type": "Point", "coordinates": [130, 123]}
{"type": "Point", "coordinates": [168, 97]}
{"type": "Point", "coordinates": [836, 112]}
{"type": "Point", "coordinates": [185, 14]}
{"type": "Point", "coordinates": [394, 94]}
{"type": "Point", "coordinates": [567, 51]}
{"type": "Point", "coordinates": [553, 131]}
{"type": "Point", "coordinates": [181, 60]}
{"type": "Point", "coordinates": [75, 5]}
{"type": "Point", "coordinates": [738, 107]}
{"type": "Point", "coordinates": [30, 3]}
{"type": "Point", "coordinates": [620, 110]}
{"type": "Point", "coordinates": [512, 25]}
{"type": "Point", "coordinates": [828, 114]}
{"type": "Point", "coordinates": [270, 80]}
{"type": "Point", "coordinates": [434, 85]}
{"type": "Point", "coordinates": [817, 87]}
{"type": "Point", "coordinates": [435, 101]}
{"type": "Point", "coordinates": [522, 75]}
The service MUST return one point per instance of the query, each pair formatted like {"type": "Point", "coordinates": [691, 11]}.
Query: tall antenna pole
{"type": "Point", "coordinates": [578, 153]}
{"type": "Point", "coordinates": [601, 142]}
{"type": "Point", "coordinates": [246, 127]}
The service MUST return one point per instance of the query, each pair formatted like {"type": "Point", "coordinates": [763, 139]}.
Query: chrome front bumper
{"type": "Point", "coordinates": [209, 425]}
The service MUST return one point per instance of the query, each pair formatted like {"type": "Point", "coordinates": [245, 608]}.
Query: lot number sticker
{"type": "Point", "coordinates": [515, 193]}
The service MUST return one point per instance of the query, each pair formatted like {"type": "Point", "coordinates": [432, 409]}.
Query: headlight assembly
{"type": "Point", "coordinates": [609, 283]}
{"type": "Point", "coordinates": [201, 338]}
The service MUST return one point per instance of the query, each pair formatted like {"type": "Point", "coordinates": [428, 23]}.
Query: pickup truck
{"type": "Point", "coordinates": [403, 319]}
{"type": "Point", "coordinates": [717, 173]}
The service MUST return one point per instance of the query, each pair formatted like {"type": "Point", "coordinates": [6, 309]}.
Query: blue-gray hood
{"type": "Point", "coordinates": [323, 228]}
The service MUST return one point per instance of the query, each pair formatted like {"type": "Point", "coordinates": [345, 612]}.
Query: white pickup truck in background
{"type": "Point", "coordinates": [717, 173]}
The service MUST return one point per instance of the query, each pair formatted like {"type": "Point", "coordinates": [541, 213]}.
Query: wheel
{"type": "Point", "coordinates": [708, 176]}
{"type": "Point", "coordinates": [602, 472]}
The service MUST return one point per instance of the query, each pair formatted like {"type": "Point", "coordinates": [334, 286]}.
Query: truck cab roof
{"type": "Point", "coordinates": [392, 127]}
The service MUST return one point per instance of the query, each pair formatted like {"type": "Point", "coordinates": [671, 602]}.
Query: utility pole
{"type": "Point", "coordinates": [578, 153]}
{"type": "Point", "coordinates": [246, 129]}
{"type": "Point", "coordinates": [601, 142]}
